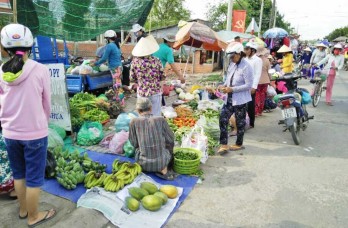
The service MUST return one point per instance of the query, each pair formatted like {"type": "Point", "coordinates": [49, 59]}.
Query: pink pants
{"type": "Point", "coordinates": [329, 85]}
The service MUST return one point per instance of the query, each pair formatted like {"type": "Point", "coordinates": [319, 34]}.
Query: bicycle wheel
{"type": "Point", "coordinates": [317, 94]}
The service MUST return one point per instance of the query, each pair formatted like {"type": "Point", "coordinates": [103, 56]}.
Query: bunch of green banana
{"type": "Point", "coordinates": [89, 165]}
{"type": "Point", "coordinates": [113, 184]}
{"type": "Point", "coordinates": [75, 155]}
{"type": "Point", "coordinates": [70, 179]}
{"type": "Point", "coordinates": [133, 168]}
{"type": "Point", "coordinates": [94, 178]}
{"type": "Point", "coordinates": [116, 165]}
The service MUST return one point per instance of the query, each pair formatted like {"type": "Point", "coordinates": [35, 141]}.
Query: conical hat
{"type": "Point", "coordinates": [146, 46]}
{"type": "Point", "coordinates": [284, 49]}
{"type": "Point", "coordinates": [307, 49]}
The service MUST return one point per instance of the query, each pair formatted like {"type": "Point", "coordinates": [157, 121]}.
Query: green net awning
{"type": "Point", "coordinates": [80, 20]}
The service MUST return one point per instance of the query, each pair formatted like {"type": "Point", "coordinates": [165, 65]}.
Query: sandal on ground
{"type": "Point", "coordinates": [23, 217]}
{"type": "Point", "coordinates": [233, 133]}
{"type": "Point", "coordinates": [236, 147]}
{"type": "Point", "coordinates": [329, 104]}
{"type": "Point", "coordinates": [222, 150]}
{"type": "Point", "coordinates": [167, 176]}
{"type": "Point", "coordinates": [45, 219]}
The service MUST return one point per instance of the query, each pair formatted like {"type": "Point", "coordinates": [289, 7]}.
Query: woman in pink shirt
{"type": "Point", "coordinates": [264, 81]}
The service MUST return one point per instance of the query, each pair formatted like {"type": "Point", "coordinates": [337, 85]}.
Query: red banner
{"type": "Point", "coordinates": [238, 20]}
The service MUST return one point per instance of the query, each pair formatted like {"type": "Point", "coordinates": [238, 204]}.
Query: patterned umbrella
{"type": "Point", "coordinates": [275, 33]}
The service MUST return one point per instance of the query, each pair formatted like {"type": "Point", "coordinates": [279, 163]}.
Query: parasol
{"type": "Point", "coordinates": [275, 33]}
{"type": "Point", "coordinates": [198, 35]}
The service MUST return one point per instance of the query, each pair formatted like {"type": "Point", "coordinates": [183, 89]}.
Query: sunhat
{"type": "Point", "coordinates": [307, 49]}
{"type": "Point", "coordinates": [321, 45]}
{"type": "Point", "coordinates": [169, 37]}
{"type": "Point", "coordinates": [136, 28]}
{"type": "Point", "coordinates": [284, 49]}
{"type": "Point", "coordinates": [146, 46]}
{"type": "Point", "coordinates": [338, 46]}
{"type": "Point", "coordinates": [262, 51]}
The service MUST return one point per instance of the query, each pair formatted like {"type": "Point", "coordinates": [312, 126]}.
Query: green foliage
{"type": "Point", "coordinates": [337, 32]}
{"type": "Point", "coordinates": [165, 13]}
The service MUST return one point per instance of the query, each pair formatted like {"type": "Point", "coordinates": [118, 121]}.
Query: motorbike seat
{"type": "Point", "coordinates": [287, 96]}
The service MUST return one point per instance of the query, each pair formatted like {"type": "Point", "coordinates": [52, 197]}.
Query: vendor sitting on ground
{"type": "Point", "coordinates": [153, 141]}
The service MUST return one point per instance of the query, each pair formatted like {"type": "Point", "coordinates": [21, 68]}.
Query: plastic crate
{"type": "Point", "coordinates": [100, 80]}
{"type": "Point", "coordinates": [74, 83]}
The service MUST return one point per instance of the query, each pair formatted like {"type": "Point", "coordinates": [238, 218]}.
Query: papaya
{"type": "Point", "coordinates": [163, 197]}
{"type": "Point", "coordinates": [137, 193]}
{"type": "Point", "coordinates": [151, 202]}
{"type": "Point", "coordinates": [170, 190]}
{"type": "Point", "coordinates": [132, 204]}
{"type": "Point", "coordinates": [149, 187]}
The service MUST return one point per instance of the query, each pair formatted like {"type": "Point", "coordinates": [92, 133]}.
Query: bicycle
{"type": "Point", "coordinates": [318, 81]}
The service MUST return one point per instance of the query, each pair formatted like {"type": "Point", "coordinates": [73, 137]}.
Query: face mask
{"type": "Point", "coordinates": [336, 52]}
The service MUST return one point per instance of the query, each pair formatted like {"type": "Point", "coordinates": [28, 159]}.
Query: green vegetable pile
{"type": "Point", "coordinates": [193, 104]}
{"type": "Point", "coordinates": [96, 115]}
{"type": "Point", "coordinates": [181, 132]}
{"type": "Point", "coordinates": [185, 155]}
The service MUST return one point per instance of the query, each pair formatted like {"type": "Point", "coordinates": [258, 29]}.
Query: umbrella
{"type": "Point", "coordinates": [258, 41]}
{"type": "Point", "coordinates": [228, 36]}
{"type": "Point", "coordinates": [275, 33]}
{"type": "Point", "coordinates": [198, 35]}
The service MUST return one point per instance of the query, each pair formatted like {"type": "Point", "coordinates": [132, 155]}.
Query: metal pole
{"type": "Point", "coordinates": [271, 16]}
{"type": "Point", "coordinates": [275, 13]}
{"type": "Point", "coordinates": [260, 21]}
{"type": "Point", "coordinates": [229, 15]}
{"type": "Point", "coordinates": [15, 11]}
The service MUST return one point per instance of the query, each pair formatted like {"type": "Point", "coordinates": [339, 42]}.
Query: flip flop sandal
{"type": "Point", "coordinates": [45, 219]}
{"type": "Point", "coordinates": [167, 176]}
{"type": "Point", "coordinates": [23, 217]}
{"type": "Point", "coordinates": [236, 147]}
{"type": "Point", "coordinates": [233, 133]}
{"type": "Point", "coordinates": [222, 151]}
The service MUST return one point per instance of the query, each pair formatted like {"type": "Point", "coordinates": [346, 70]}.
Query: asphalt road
{"type": "Point", "coordinates": [273, 183]}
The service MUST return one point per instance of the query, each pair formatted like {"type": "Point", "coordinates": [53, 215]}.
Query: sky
{"type": "Point", "coordinates": [312, 19]}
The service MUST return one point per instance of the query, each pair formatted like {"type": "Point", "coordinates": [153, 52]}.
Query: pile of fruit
{"type": "Point", "coordinates": [149, 196]}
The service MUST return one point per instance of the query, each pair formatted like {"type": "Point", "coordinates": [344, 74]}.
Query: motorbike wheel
{"type": "Point", "coordinates": [295, 133]}
{"type": "Point", "coordinates": [317, 94]}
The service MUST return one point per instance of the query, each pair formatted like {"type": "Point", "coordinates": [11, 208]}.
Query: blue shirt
{"type": "Point", "coordinates": [112, 54]}
{"type": "Point", "coordinates": [306, 58]}
{"type": "Point", "coordinates": [165, 54]}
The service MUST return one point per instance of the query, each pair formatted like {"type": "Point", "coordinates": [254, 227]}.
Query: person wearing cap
{"type": "Point", "coordinates": [264, 82]}
{"type": "Point", "coordinates": [237, 86]}
{"type": "Point", "coordinates": [287, 65]}
{"type": "Point", "coordinates": [147, 72]}
{"type": "Point", "coordinates": [318, 54]}
{"type": "Point", "coordinates": [138, 31]}
{"type": "Point", "coordinates": [153, 141]}
{"type": "Point", "coordinates": [25, 94]}
{"type": "Point", "coordinates": [165, 54]}
{"type": "Point", "coordinates": [333, 63]}
{"type": "Point", "coordinates": [256, 64]}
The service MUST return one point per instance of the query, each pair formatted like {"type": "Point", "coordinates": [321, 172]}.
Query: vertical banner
{"type": "Point", "coordinates": [238, 20]}
{"type": "Point", "coordinates": [60, 111]}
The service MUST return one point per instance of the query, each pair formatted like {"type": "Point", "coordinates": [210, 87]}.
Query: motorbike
{"type": "Point", "coordinates": [293, 106]}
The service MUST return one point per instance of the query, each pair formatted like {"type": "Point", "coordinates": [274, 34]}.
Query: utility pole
{"type": "Point", "coordinates": [229, 15]}
{"type": "Point", "coordinates": [15, 11]}
{"type": "Point", "coordinates": [272, 15]}
{"type": "Point", "coordinates": [275, 14]}
{"type": "Point", "coordinates": [260, 21]}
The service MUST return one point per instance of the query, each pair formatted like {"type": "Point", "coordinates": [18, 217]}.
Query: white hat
{"type": "Point", "coordinates": [262, 51]}
{"type": "Point", "coordinates": [339, 46]}
{"type": "Point", "coordinates": [146, 46]}
{"type": "Point", "coordinates": [321, 45]}
{"type": "Point", "coordinates": [234, 47]}
{"type": "Point", "coordinates": [136, 28]}
{"type": "Point", "coordinates": [252, 45]}
{"type": "Point", "coordinates": [169, 37]}
{"type": "Point", "coordinates": [110, 34]}
{"type": "Point", "coordinates": [307, 49]}
{"type": "Point", "coordinates": [284, 49]}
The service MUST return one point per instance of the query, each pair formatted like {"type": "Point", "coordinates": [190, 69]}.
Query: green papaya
{"type": "Point", "coordinates": [151, 202]}
{"type": "Point", "coordinates": [163, 197]}
{"type": "Point", "coordinates": [132, 204]}
{"type": "Point", "coordinates": [151, 188]}
{"type": "Point", "coordinates": [137, 193]}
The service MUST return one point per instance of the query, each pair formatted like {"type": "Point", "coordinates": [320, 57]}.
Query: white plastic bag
{"type": "Point", "coordinates": [271, 92]}
{"type": "Point", "coordinates": [197, 140]}
{"type": "Point", "coordinates": [117, 142]}
{"type": "Point", "coordinates": [168, 112]}
{"type": "Point", "coordinates": [85, 69]}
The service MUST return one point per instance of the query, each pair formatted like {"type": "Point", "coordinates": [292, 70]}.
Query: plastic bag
{"type": "Point", "coordinates": [85, 69]}
{"type": "Point", "coordinates": [50, 170]}
{"type": "Point", "coordinates": [91, 133]}
{"type": "Point", "coordinates": [106, 140]}
{"type": "Point", "coordinates": [54, 139]}
{"type": "Point", "coordinates": [128, 149]}
{"type": "Point", "coordinates": [123, 120]}
{"type": "Point", "coordinates": [271, 91]}
{"type": "Point", "coordinates": [117, 142]}
{"type": "Point", "coordinates": [61, 131]}
{"type": "Point", "coordinates": [76, 70]}
{"type": "Point", "coordinates": [306, 98]}
{"type": "Point", "coordinates": [168, 112]}
{"type": "Point", "coordinates": [197, 140]}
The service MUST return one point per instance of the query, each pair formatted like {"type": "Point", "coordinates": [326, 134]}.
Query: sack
{"type": "Point", "coordinates": [271, 91]}
{"type": "Point", "coordinates": [197, 140]}
{"type": "Point", "coordinates": [54, 139]}
{"type": "Point", "coordinates": [128, 149]}
{"type": "Point", "coordinates": [61, 131]}
{"type": "Point", "coordinates": [91, 133]}
{"type": "Point", "coordinates": [306, 98]}
{"type": "Point", "coordinates": [123, 120]}
{"type": "Point", "coordinates": [50, 170]}
{"type": "Point", "coordinates": [168, 112]}
{"type": "Point", "coordinates": [117, 142]}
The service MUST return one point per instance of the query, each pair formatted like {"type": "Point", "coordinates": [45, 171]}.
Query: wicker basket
{"type": "Point", "coordinates": [187, 166]}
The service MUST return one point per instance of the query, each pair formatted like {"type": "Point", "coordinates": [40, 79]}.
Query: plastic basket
{"type": "Point", "coordinates": [187, 166]}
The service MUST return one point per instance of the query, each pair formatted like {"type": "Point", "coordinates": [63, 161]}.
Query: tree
{"type": "Point", "coordinates": [337, 32]}
{"type": "Point", "coordinates": [166, 13]}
